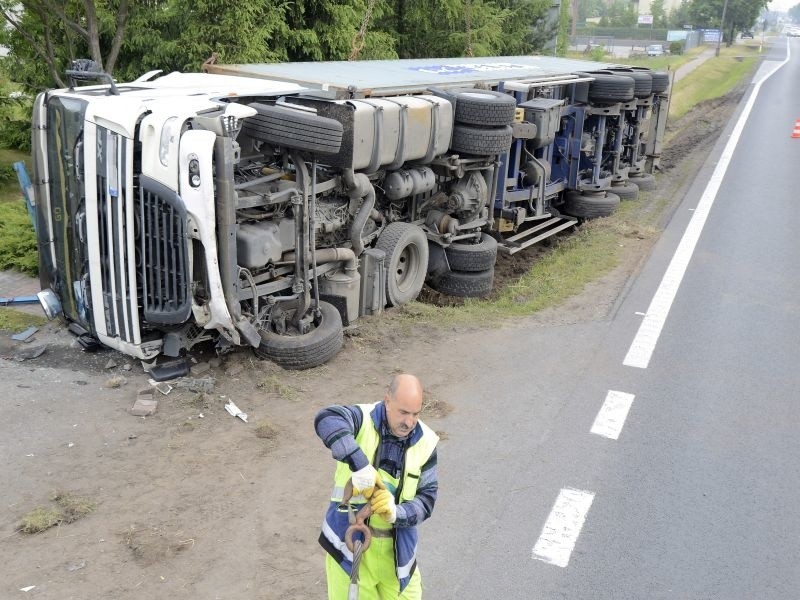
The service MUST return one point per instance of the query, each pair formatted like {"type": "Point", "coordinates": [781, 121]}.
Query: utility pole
{"type": "Point", "coordinates": [721, 27]}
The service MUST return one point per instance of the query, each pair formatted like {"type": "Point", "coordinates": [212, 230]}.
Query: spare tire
{"type": "Point", "coordinates": [292, 128]}
{"type": "Point", "coordinates": [483, 107]}
{"type": "Point", "coordinates": [642, 81]}
{"type": "Point", "coordinates": [465, 284]}
{"type": "Point", "coordinates": [608, 88]}
{"type": "Point", "coordinates": [481, 141]}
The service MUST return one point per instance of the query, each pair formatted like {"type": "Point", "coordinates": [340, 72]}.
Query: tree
{"type": "Point", "coordinates": [679, 16]}
{"type": "Point", "coordinates": [58, 32]}
{"type": "Point", "coordinates": [659, 14]}
{"type": "Point", "coordinates": [794, 13]}
{"type": "Point", "coordinates": [740, 15]}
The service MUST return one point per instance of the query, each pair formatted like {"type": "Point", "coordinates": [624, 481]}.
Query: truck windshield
{"type": "Point", "coordinates": [65, 118]}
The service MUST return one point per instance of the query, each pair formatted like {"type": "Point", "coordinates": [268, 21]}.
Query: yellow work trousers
{"type": "Point", "coordinates": [377, 579]}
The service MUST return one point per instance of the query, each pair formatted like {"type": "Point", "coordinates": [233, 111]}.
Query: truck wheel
{"type": "Point", "coordinates": [660, 82]}
{"type": "Point", "coordinates": [480, 141]}
{"type": "Point", "coordinates": [308, 350]}
{"type": "Point", "coordinates": [406, 249]}
{"type": "Point", "coordinates": [483, 107]}
{"type": "Point", "coordinates": [589, 205]}
{"type": "Point", "coordinates": [644, 182]}
{"type": "Point", "coordinates": [611, 88]}
{"type": "Point", "coordinates": [465, 284]}
{"type": "Point", "coordinates": [642, 81]}
{"type": "Point", "coordinates": [473, 257]}
{"type": "Point", "coordinates": [294, 129]}
{"type": "Point", "coordinates": [627, 191]}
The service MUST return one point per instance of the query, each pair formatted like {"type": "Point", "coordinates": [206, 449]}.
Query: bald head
{"type": "Point", "coordinates": [403, 402]}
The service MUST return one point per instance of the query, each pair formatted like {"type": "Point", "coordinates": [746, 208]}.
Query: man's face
{"type": "Point", "coordinates": [402, 410]}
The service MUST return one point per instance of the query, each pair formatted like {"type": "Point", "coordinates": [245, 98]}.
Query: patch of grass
{"type": "Point", "coordinates": [17, 239]}
{"type": "Point", "coordinates": [69, 508]}
{"type": "Point", "coordinates": [265, 430]}
{"type": "Point", "coordinates": [714, 78]}
{"type": "Point", "coordinates": [40, 519]}
{"type": "Point", "coordinates": [16, 320]}
{"type": "Point", "coordinates": [273, 383]}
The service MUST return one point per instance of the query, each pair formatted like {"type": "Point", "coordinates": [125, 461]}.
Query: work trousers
{"type": "Point", "coordinates": [377, 579]}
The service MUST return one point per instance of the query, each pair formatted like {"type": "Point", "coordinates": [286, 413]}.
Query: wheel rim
{"type": "Point", "coordinates": [407, 266]}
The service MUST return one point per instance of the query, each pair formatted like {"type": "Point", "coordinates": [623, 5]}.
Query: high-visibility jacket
{"type": "Point", "coordinates": [421, 444]}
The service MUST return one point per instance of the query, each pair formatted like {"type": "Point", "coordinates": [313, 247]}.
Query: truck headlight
{"type": "Point", "coordinates": [167, 137]}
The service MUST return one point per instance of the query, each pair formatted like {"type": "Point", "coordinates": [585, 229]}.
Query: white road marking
{"type": "Point", "coordinates": [563, 526]}
{"type": "Point", "coordinates": [644, 343]}
{"type": "Point", "coordinates": [612, 415]}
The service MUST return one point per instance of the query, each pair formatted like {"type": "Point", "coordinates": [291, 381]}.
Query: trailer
{"type": "Point", "coordinates": [272, 205]}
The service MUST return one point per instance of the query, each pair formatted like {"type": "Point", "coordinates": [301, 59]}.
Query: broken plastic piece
{"type": "Point", "coordinates": [27, 589]}
{"type": "Point", "coordinates": [170, 370]}
{"type": "Point", "coordinates": [235, 411]}
{"type": "Point", "coordinates": [24, 335]}
{"type": "Point", "coordinates": [164, 388]}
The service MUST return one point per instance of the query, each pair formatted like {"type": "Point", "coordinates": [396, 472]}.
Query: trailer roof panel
{"type": "Point", "coordinates": [382, 77]}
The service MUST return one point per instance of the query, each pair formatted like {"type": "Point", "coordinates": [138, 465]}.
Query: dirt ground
{"type": "Point", "coordinates": [193, 503]}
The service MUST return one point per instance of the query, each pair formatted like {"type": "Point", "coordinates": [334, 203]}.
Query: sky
{"type": "Point", "coordinates": [782, 5]}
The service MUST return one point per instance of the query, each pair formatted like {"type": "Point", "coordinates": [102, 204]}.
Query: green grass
{"type": "Point", "coordinates": [16, 320]}
{"type": "Point", "coordinates": [714, 78]}
{"type": "Point", "coordinates": [657, 63]}
{"type": "Point", "coordinates": [18, 249]}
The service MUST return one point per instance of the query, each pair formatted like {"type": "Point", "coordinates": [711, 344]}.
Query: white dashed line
{"type": "Point", "coordinates": [563, 526]}
{"type": "Point", "coordinates": [612, 415]}
{"type": "Point", "coordinates": [644, 343]}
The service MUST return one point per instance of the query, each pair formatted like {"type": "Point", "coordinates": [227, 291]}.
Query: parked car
{"type": "Point", "coordinates": [655, 50]}
{"type": "Point", "coordinates": [747, 35]}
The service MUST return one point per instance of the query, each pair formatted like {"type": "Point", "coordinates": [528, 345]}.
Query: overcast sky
{"type": "Point", "coordinates": [782, 5]}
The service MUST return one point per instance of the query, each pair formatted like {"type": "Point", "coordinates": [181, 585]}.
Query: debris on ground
{"type": "Point", "coordinates": [69, 509]}
{"type": "Point", "coordinates": [24, 336]}
{"type": "Point", "coordinates": [200, 368]}
{"type": "Point", "coordinates": [235, 411]}
{"type": "Point", "coordinates": [145, 404]}
{"type": "Point", "coordinates": [163, 388]}
{"type": "Point", "coordinates": [203, 384]}
{"type": "Point", "coordinates": [30, 353]}
{"type": "Point", "coordinates": [116, 381]}
{"type": "Point", "coordinates": [111, 364]}
{"type": "Point", "coordinates": [75, 566]}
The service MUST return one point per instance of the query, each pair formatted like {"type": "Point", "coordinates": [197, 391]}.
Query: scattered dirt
{"type": "Point", "coordinates": [194, 503]}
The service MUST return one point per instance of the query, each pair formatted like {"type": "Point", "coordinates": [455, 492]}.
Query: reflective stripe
{"type": "Point", "coordinates": [339, 544]}
{"type": "Point", "coordinates": [404, 571]}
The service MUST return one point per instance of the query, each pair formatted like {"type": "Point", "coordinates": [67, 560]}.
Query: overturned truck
{"type": "Point", "coordinates": [271, 205]}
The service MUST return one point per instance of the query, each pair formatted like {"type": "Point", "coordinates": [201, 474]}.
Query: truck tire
{"type": "Point", "coordinates": [406, 249]}
{"type": "Point", "coordinates": [626, 191]}
{"type": "Point", "coordinates": [294, 129]}
{"type": "Point", "coordinates": [590, 205]}
{"type": "Point", "coordinates": [473, 257]}
{"type": "Point", "coordinates": [642, 81]}
{"type": "Point", "coordinates": [611, 88]}
{"type": "Point", "coordinates": [465, 284]}
{"type": "Point", "coordinates": [485, 108]}
{"type": "Point", "coordinates": [660, 82]}
{"type": "Point", "coordinates": [644, 182]}
{"type": "Point", "coordinates": [308, 350]}
{"type": "Point", "coordinates": [480, 141]}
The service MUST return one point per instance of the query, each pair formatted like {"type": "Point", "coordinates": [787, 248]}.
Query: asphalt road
{"type": "Point", "coordinates": [697, 496]}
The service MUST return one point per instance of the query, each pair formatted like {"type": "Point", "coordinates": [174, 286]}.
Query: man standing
{"type": "Point", "coordinates": [383, 440]}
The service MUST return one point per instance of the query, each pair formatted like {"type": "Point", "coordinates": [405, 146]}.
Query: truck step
{"type": "Point", "coordinates": [542, 230]}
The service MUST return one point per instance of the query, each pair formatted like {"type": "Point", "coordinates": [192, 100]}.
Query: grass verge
{"type": "Point", "coordinates": [714, 78]}
{"type": "Point", "coordinates": [16, 320]}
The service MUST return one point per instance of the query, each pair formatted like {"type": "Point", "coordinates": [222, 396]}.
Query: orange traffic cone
{"type": "Point", "coordinates": [796, 130]}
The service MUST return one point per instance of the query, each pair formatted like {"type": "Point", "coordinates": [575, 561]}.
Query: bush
{"type": "Point", "coordinates": [15, 122]}
{"type": "Point", "coordinates": [18, 249]}
{"type": "Point", "coordinates": [676, 47]}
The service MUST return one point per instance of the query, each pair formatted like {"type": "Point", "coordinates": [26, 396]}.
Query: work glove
{"type": "Point", "coordinates": [383, 505]}
{"type": "Point", "coordinates": [364, 481]}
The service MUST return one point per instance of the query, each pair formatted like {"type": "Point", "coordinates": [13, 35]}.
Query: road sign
{"type": "Point", "coordinates": [645, 20]}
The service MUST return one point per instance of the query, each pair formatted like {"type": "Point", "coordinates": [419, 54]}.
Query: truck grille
{"type": "Point", "coordinates": [163, 242]}
{"type": "Point", "coordinates": [115, 230]}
